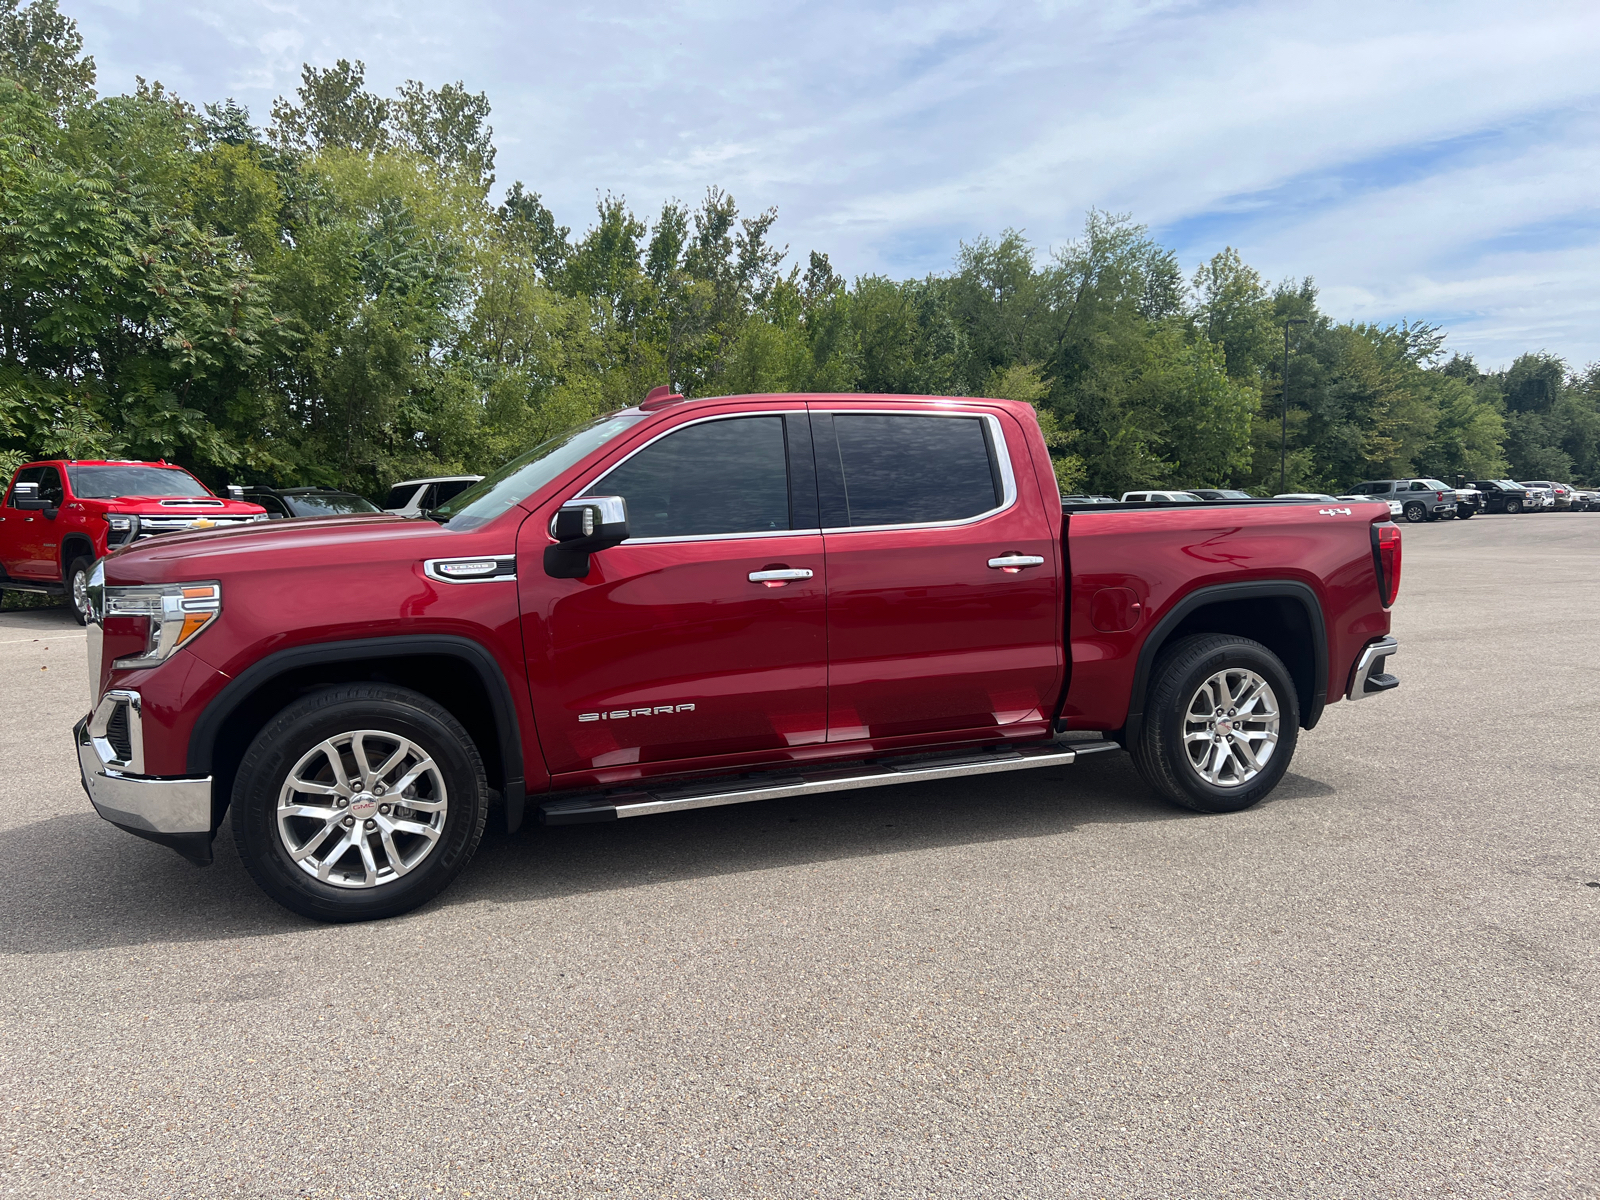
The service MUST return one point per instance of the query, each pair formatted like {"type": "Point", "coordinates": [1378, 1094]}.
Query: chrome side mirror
{"type": "Point", "coordinates": [26, 495]}
{"type": "Point", "coordinates": [582, 527]}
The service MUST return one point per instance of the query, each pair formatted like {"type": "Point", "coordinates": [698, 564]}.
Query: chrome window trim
{"type": "Point", "coordinates": [697, 537]}
{"type": "Point", "coordinates": [430, 568]}
{"type": "Point", "coordinates": [1002, 449]}
{"type": "Point", "coordinates": [1002, 453]}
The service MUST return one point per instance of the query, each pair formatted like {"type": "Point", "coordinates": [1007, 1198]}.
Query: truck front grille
{"type": "Point", "coordinates": [150, 526]}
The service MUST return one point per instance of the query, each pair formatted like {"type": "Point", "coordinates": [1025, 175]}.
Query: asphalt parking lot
{"type": "Point", "coordinates": [1381, 982]}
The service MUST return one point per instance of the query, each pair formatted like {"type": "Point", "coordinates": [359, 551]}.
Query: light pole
{"type": "Point", "coordinates": [1283, 436]}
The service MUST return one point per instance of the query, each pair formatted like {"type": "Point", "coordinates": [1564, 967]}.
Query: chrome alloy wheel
{"type": "Point", "coordinates": [1230, 727]}
{"type": "Point", "coordinates": [362, 809]}
{"type": "Point", "coordinates": [80, 596]}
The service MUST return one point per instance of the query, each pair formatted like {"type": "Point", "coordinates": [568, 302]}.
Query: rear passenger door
{"type": "Point", "coordinates": [943, 611]}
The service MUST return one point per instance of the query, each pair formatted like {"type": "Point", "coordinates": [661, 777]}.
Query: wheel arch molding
{"type": "Point", "coordinates": [480, 698]}
{"type": "Point", "coordinates": [1278, 613]}
{"type": "Point", "coordinates": [72, 546]}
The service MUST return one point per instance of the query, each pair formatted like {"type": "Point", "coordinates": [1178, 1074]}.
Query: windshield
{"type": "Point", "coordinates": [525, 475]}
{"type": "Point", "coordinates": [327, 504]}
{"type": "Point", "coordinates": [1232, 495]}
{"type": "Point", "coordinates": [107, 483]}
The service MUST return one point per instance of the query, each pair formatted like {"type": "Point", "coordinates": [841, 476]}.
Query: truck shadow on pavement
{"type": "Point", "coordinates": [76, 883]}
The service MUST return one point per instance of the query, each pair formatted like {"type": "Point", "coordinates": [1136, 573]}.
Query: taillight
{"type": "Point", "coordinates": [1386, 557]}
{"type": "Point", "coordinates": [1438, 495]}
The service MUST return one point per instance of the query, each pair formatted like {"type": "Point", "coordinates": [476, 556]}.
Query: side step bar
{"type": "Point", "coordinates": [776, 785]}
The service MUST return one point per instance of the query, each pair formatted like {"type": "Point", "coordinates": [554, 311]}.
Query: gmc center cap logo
{"type": "Point", "coordinates": [623, 713]}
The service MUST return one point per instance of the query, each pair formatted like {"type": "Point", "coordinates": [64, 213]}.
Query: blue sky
{"type": "Point", "coordinates": [1422, 161]}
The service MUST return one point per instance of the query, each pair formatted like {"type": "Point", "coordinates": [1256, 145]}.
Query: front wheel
{"type": "Point", "coordinates": [1464, 512]}
{"type": "Point", "coordinates": [1513, 506]}
{"type": "Point", "coordinates": [359, 802]}
{"type": "Point", "coordinates": [1220, 724]}
{"type": "Point", "coordinates": [78, 588]}
{"type": "Point", "coordinates": [1416, 512]}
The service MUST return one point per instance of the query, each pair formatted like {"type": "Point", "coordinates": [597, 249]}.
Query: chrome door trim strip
{"type": "Point", "coordinates": [1008, 479]}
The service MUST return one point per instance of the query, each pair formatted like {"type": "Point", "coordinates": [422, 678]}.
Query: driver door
{"type": "Point", "coordinates": [28, 542]}
{"type": "Point", "coordinates": [673, 647]}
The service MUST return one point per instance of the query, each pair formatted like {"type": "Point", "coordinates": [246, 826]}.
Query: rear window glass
{"type": "Point", "coordinates": [400, 496]}
{"type": "Point", "coordinates": [107, 483]}
{"type": "Point", "coordinates": [328, 504]}
{"type": "Point", "coordinates": [914, 470]}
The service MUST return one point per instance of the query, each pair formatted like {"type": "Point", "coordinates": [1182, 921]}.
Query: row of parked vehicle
{"type": "Point", "coordinates": [58, 516]}
{"type": "Point", "coordinates": [1414, 500]}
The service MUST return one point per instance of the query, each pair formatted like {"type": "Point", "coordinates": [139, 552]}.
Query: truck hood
{"type": "Point", "coordinates": [328, 544]}
{"type": "Point", "coordinates": [180, 506]}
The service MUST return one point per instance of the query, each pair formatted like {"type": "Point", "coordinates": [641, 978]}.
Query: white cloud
{"type": "Point", "coordinates": [1308, 134]}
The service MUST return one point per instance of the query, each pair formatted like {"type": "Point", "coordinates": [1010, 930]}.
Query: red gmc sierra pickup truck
{"type": "Point", "coordinates": [697, 603]}
{"type": "Point", "coordinates": [60, 515]}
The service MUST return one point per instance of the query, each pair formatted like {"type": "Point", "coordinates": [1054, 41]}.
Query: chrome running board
{"type": "Point", "coordinates": [780, 784]}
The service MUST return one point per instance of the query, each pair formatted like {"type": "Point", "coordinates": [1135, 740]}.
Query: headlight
{"type": "Point", "coordinates": [121, 528]}
{"type": "Point", "coordinates": [177, 612]}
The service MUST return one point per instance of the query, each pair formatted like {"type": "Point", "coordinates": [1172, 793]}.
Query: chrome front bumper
{"type": "Point", "coordinates": [1369, 678]}
{"type": "Point", "coordinates": [170, 811]}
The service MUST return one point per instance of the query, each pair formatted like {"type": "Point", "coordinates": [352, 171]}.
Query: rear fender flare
{"type": "Point", "coordinates": [1221, 593]}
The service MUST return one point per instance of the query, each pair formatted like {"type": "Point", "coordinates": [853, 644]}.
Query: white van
{"type": "Point", "coordinates": [413, 497]}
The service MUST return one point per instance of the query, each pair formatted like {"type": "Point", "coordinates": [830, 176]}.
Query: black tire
{"type": "Point", "coordinates": [1513, 507]}
{"type": "Point", "coordinates": [1464, 512]}
{"type": "Point", "coordinates": [1160, 752]}
{"type": "Point", "coordinates": [78, 592]}
{"type": "Point", "coordinates": [390, 713]}
{"type": "Point", "coordinates": [1416, 512]}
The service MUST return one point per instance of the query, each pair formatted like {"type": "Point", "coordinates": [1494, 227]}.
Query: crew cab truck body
{"type": "Point", "coordinates": [688, 604]}
{"type": "Point", "coordinates": [60, 515]}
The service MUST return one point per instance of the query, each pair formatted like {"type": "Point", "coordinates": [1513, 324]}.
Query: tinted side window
{"type": "Point", "coordinates": [450, 490]}
{"type": "Point", "coordinates": [398, 497]}
{"type": "Point", "coordinates": [716, 477]}
{"type": "Point", "coordinates": [910, 470]}
{"type": "Point", "coordinates": [50, 486]}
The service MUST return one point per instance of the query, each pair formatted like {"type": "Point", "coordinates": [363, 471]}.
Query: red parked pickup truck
{"type": "Point", "coordinates": [697, 603]}
{"type": "Point", "coordinates": [61, 515]}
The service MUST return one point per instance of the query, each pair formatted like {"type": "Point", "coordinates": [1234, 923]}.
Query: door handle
{"type": "Point", "coordinates": [777, 578]}
{"type": "Point", "coordinates": [1014, 562]}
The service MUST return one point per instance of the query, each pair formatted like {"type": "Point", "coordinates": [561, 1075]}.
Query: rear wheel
{"type": "Point", "coordinates": [1464, 512]}
{"type": "Point", "coordinates": [1416, 512]}
{"type": "Point", "coordinates": [359, 802]}
{"type": "Point", "coordinates": [1221, 723]}
{"type": "Point", "coordinates": [78, 588]}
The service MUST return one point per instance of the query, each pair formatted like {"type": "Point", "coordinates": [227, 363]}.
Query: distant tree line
{"type": "Point", "coordinates": [337, 298]}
